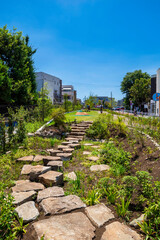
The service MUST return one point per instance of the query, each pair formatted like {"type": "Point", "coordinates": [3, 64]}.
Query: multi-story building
{"type": "Point", "coordinates": [53, 84]}
{"type": "Point", "coordinates": [70, 93]}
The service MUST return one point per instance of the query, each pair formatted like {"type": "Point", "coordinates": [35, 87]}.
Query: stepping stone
{"type": "Point", "coordinates": [78, 133]}
{"type": "Point", "coordinates": [21, 181]}
{"type": "Point", "coordinates": [53, 152]}
{"type": "Point", "coordinates": [101, 167]}
{"type": "Point", "coordinates": [86, 153]}
{"type": "Point", "coordinates": [95, 146]}
{"type": "Point", "coordinates": [61, 205]}
{"type": "Point", "coordinates": [88, 144]}
{"type": "Point", "coordinates": [68, 150]}
{"type": "Point", "coordinates": [93, 158]}
{"type": "Point", "coordinates": [72, 226]}
{"type": "Point", "coordinates": [26, 158]}
{"type": "Point", "coordinates": [36, 171]}
{"type": "Point", "coordinates": [38, 158]}
{"type": "Point", "coordinates": [61, 147]}
{"type": "Point", "coordinates": [47, 159]}
{"type": "Point", "coordinates": [71, 176]}
{"type": "Point", "coordinates": [27, 211]}
{"type": "Point", "coordinates": [55, 165]}
{"type": "Point", "coordinates": [51, 178]}
{"type": "Point", "coordinates": [75, 145]}
{"type": "Point", "coordinates": [27, 169]}
{"type": "Point", "coordinates": [50, 192]}
{"type": "Point", "coordinates": [64, 156]}
{"type": "Point", "coordinates": [22, 197]}
{"type": "Point", "coordinates": [27, 186]}
{"type": "Point", "coordinates": [119, 231]}
{"type": "Point", "coordinates": [99, 214]}
{"type": "Point", "coordinates": [138, 220]}
{"type": "Point", "coordinates": [71, 139]}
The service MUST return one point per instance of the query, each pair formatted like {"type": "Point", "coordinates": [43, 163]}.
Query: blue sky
{"type": "Point", "coordinates": [90, 44]}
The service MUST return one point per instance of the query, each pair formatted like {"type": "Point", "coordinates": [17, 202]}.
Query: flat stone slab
{"type": "Point", "coordinates": [64, 156]}
{"type": "Point", "coordinates": [95, 146]}
{"type": "Point", "coordinates": [75, 145]}
{"type": "Point", "coordinates": [61, 205]}
{"type": "Point", "coordinates": [71, 139]}
{"type": "Point", "coordinates": [26, 158]}
{"type": "Point", "coordinates": [50, 192]}
{"type": "Point", "coordinates": [93, 158]}
{"type": "Point", "coordinates": [99, 214]}
{"type": "Point", "coordinates": [88, 144]}
{"type": "Point", "coordinates": [27, 211]}
{"type": "Point", "coordinates": [101, 167]}
{"type": "Point", "coordinates": [22, 197]}
{"type": "Point", "coordinates": [27, 169]}
{"type": "Point", "coordinates": [55, 165]}
{"type": "Point", "coordinates": [68, 150]}
{"type": "Point", "coordinates": [38, 158]}
{"type": "Point", "coordinates": [61, 147]}
{"type": "Point", "coordinates": [26, 186]}
{"type": "Point", "coordinates": [72, 226]}
{"type": "Point", "coordinates": [53, 152]}
{"type": "Point", "coordinates": [71, 176]}
{"type": "Point", "coordinates": [119, 231]}
{"type": "Point", "coordinates": [86, 153]}
{"type": "Point", "coordinates": [46, 159]}
{"type": "Point", "coordinates": [51, 178]}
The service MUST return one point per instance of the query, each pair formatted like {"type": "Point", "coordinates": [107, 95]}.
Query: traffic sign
{"type": "Point", "coordinates": [156, 96]}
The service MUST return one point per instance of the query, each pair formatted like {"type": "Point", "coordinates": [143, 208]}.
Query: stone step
{"type": "Point", "coordinates": [51, 178]}
{"type": "Point", "coordinates": [53, 152]}
{"type": "Point", "coordinates": [73, 136]}
{"type": "Point", "coordinates": [22, 197]}
{"type": "Point", "coordinates": [50, 192]}
{"type": "Point", "coordinates": [54, 206]}
{"type": "Point", "coordinates": [27, 211]}
{"type": "Point", "coordinates": [34, 171]}
{"type": "Point", "coordinates": [119, 231]}
{"type": "Point", "coordinates": [100, 168]}
{"type": "Point", "coordinates": [61, 147]}
{"type": "Point", "coordinates": [99, 214]}
{"type": "Point", "coordinates": [46, 159]}
{"type": "Point", "coordinates": [65, 156]}
{"type": "Point", "coordinates": [25, 186]}
{"type": "Point", "coordinates": [78, 133]}
{"type": "Point", "coordinates": [71, 139]}
{"type": "Point", "coordinates": [55, 165]}
{"type": "Point", "coordinates": [69, 226]}
{"type": "Point", "coordinates": [75, 145]}
{"type": "Point", "coordinates": [78, 130]}
{"type": "Point", "coordinates": [65, 143]}
{"type": "Point", "coordinates": [68, 150]}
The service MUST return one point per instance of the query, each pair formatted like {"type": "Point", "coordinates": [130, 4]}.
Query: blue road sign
{"type": "Point", "coordinates": [156, 96]}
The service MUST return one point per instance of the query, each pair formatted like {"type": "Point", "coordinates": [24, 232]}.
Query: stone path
{"type": "Point", "coordinates": [43, 192]}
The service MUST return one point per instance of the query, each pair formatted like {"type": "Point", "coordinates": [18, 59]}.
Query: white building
{"type": "Point", "coordinates": [54, 86]}
{"type": "Point", "coordinates": [157, 90]}
{"type": "Point", "coordinates": [70, 92]}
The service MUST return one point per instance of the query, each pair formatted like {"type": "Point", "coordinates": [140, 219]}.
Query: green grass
{"type": "Point", "coordinates": [72, 116]}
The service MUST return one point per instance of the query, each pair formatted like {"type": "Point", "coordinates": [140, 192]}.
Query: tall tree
{"type": "Point", "coordinates": [16, 54]}
{"type": "Point", "coordinates": [128, 81]}
{"type": "Point", "coordinates": [140, 92]}
{"type": "Point", "coordinates": [5, 84]}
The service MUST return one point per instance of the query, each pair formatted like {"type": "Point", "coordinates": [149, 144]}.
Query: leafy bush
{"type": "Point", "coordinates": [93, 197]}
{"type": "Point", "coordinates": [58, 116]}
{"type": "Point", "coordinates": [104, 126]}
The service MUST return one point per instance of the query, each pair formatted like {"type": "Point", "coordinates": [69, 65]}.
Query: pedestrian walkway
{"type": "Point", "coordinates": [43, 193]}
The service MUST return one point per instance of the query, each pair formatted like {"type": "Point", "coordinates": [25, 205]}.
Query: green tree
{"type": "Point", "coordinates": [5, 84]}
{"type": "Point", "coordinates": [16, 54]}
{"type": "Point", "coordinates": [140, 92]}
{"type": "Point", "coordinates": [128, 81]}
{"type": "Point", "coordinates": [91, 100]}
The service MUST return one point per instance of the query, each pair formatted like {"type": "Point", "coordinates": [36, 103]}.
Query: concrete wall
{"type": "Point", "coordinates": [157, 90]}
{"type": "Point", "coordinates": [54, 85]}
